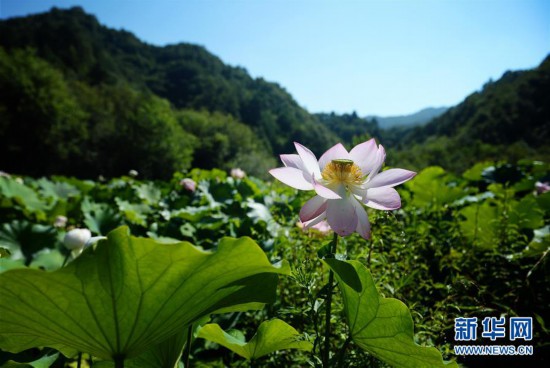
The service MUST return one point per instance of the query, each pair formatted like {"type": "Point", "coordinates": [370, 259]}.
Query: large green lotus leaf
{"type": "Point", "coordinates": [126, 294]}
{"type": "Point", "coordinates": [100, 218]}
{"type": "Point", "coordinates": [24, 239]}
{"type": "Point", "coordinates": [430, 187]}
{"type": "Point", "coordinates": [381, 326]}
{"type": "Point", "coordinates": [481, 224]}
{"type": "Point", "coordinates": [23, 195]}
{"type": "Point", "coordinates": [475, 172]}
{"type": "Point", "coordinates": [271, 336]}
{"type": "Point", "coordinates": [148, 193]}
{"type": "Point", "coordinates": [44, 362]}
{"type": "Point", "coordinates": [526, 214]}
{"type": "Point", "coordinates": [57, 190]}
{"type": "Point", "coordinates": [134, 213]}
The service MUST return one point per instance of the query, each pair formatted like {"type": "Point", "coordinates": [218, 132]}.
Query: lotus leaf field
{"type": "Point", "coordinates": [214, 270]}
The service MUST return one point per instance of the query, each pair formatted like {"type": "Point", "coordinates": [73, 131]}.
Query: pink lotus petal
{"type": "Point", "coordinates": [313, 208]}
{"type": "Point", "coordinates": [391, 178]}
{"type": "Point", "coordinates": [334, 153]}
{"type": "Point", "coordinates": [383, 198]}
{"type": "Point", "coordinates": [341, 216]}
{"type": "Point", "coordinates": [315, 221]}
{"type": "Point", "coordinates": [324, 191]}
{"type": "Point", "coordinates": [323, 227]}
{"type": "Point", "coordinates": [309, 160]}
{"type": "Point", "coordinates": [363, 224]}
{"type": "Point", "coordinates": [292, 177]}
{"type": "Point", "coordinates": [379, 161]}
{"type": "Point", "coordinates": [292, 161]}
{"type": "Point", "coordinates": [364, 155]}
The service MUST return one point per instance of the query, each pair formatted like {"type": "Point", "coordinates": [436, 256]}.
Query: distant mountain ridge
{"type": "Point", "coordinates": [418, 118]}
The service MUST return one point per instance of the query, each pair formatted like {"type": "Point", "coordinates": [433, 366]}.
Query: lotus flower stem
{"type": "Point", "coordinates": [342, 352]}
{"type": "Point", "coordinates": [370, 252]}
{"type": "Point", "coordinates": [187, 351]}
{"type": "Point", "coordinates": [66, 259]}
{"type": "Point", "coordinates": [119, 361]}
{"type": "Point", "coordinates": [326, 353]}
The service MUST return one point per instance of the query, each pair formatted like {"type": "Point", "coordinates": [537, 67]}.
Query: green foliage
{"type": "Point", "coordinates": [41, 122]}
{"type": "Point", "coordinates": [349, 127]}
{"type": "Point", "coordinates": [55, 126]}
{"type": "Point", "coordinates": [133, 130]}
{"type": "Point", "coordinates": [218, 149]}
{"type": "Point", "coordinates": [425, 254]}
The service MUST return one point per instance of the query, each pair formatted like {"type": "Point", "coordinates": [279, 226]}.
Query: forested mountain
{"type": "Point", "coordinates": [509, 119]}
{"type": "Point", "coordinates": [350, 128]}
{"type": "Point", "coordinates": [96, 66]}
{"type": "Point", "coordinates": [418, 118]}
{"type": "Point", "coordinates": [78, 98]}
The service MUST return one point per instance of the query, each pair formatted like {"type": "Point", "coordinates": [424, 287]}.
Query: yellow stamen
{"type": "Point", "coordinates": [342, 172]}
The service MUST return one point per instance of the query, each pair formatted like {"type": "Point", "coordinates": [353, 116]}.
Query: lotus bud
{"type": "Point", "coordinates": [76, 239]}
{"type": "Point", "coordinates": [237, 173]}
{"type": "Point", "coordinates": [60, 221]}
{"type": "Point", "coordinates": [542, 187]}
{"type": "Point", "coordinates": [188, 184]}
{"type": "Point", "coordinates": [133, 173]}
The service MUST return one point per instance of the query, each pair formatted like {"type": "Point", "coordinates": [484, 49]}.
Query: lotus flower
{"type": "Point", "coordinates": [344, 182]}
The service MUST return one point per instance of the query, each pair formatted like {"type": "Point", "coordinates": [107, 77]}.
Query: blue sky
{"type": "Point", "coordinates": [373, 57]}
